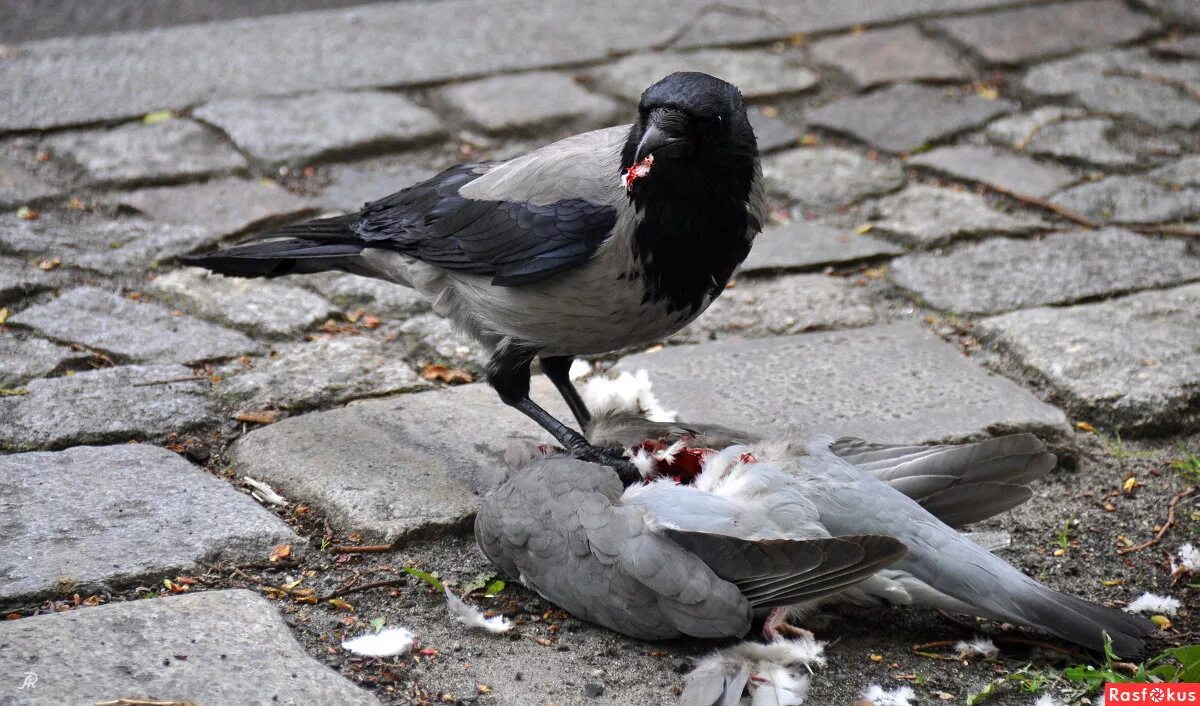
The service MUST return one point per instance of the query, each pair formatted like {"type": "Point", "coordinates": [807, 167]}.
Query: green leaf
{"type": "Point", "coordinates": [377, 623]}
{"type": "Point", "coordinates": [424, 576]}
{"type": "Point", "coordinates": [494, 588]}
{"type": "Point", "coordinates": [1189, 657]}
{"type": "Point", "coordinates": [157, 117]}
{"type": "Point", "coordinates": [476, 583]}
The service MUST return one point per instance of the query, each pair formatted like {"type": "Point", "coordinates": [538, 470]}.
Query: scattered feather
{"type": "Point", "coordinates": [776, 685]}
{"type": "Point", "coordinates": [1189, 559]}
{"type": "Point", "coordinates": [385, 643]}
{"type": "Point", "coordinates": [773, 677]}
{"type": "Point", "coordinates": [624, 393]}
{"type": "Point", "coordinates": [263, 492]}
{"type": "Point", "coordinates": [473, 618]}
{"type": "Point", "coordinates": [644, 462]}
{"type": "Point", "coordinates": [1047, 700]}
{"type": "Point", "coordinates": [902, 696]}
{"type": "Point", "coordinates": [1153, 603]}
{"type": "Point", "coordinates": [980, 647]}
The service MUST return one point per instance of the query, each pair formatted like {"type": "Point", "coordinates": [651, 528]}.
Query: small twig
{"type": "Point", "coordinates": [362, 587]}
{"type": "Point", "coordinates": [1086, 222]}
{"type": "Point", "coordinates": [144, 702]}
{"type": "Point", "coordinates": [364, 549]}
{"type": "Point", "coordinates": [190, 378]}
{"type": "Point", "coordinates": [263, 492]}
{"type": "Point", "coordinates": [1179, 497]}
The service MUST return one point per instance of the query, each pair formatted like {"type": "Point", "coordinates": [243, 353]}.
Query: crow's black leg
{"type": "Point", "coordinates": [508, 373]}
{"type": "Point", "coordinates": [558, 369]}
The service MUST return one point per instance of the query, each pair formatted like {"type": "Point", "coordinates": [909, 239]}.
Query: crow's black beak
{"type": "Point", "coordinates": [656, 141]}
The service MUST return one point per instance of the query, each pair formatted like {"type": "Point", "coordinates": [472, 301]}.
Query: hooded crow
{"type": "Point", "coordinates": [721, 531]}
{"type": "Point", "coordinates": [601, 241]}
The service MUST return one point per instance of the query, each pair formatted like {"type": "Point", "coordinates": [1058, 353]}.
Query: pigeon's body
{"type": "Point", "coordinates": [556, 253]}
{"type": "Point", "coordinates": [741, 511]}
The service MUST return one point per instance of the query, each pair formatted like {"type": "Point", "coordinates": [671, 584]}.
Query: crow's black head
{"type": "Point", "coordinates": [694, 126]}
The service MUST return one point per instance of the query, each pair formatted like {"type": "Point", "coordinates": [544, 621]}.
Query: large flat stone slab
{"type": "Point", "coordinates": [19, 184]}
{"type": "Point", "coordinates": [528, 101]}
{"type": "Point", "coordinates": [219, 647]}
{"type": "Point", "coordinates": [825, 178]}
{"type": "Point", "coordinates": [108, 406]}
{"type": "Point", "coordinates": [224, 206]}
{"type": "Point", "coordinates": [1016, 36]}
{"type": "Point", "coordinates": [135, 331]}
{"type": "Point", "coordinates": [136, 153]}
{"type": "Point", "coordinates": [757, 73]}
{"type": "Point", "coordinates": [928, 215]}
{"type": "Point", "coordinates": [352, 185]}
{"type": "Point", "coordinates": [319, 373]}
{"type": "Point", "coordinates": [894, 384]}
{"type": "Point", "coordinates": [1003, 274]}
{"type": "Point", "coordinates": [1088, 141]}
{"type": "Point", "coordinates": [1011, 172]}
{"type": "Point", "coordinates": [890, 55]}
{"type": "Point", "coordinates": [19, 278]}
{"type": "Point", "coordinates": [1131, 199]}
{"type": "Point", "coordinates": [22, 359]}
{"type": "Point", "coordinates": [394, 468]}
{"type": "Point", "coordinates": [106, 516]}
{"type": "Point", "coordinates": [1132, 362]}
{"type": "Point", "coordinates": [806, 245]}
{"type": "Point", "coordinates": [255, 306]}
{"type": "Point", "coordinates": [321, 125]}
{"type": "Point", "coordinates": [384, 299]}
{"type": "Point", "coordinates": [906, 116]}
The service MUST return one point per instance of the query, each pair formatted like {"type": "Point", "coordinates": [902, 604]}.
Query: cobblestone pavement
{"type": "Point", "coordinates": [986, 218]}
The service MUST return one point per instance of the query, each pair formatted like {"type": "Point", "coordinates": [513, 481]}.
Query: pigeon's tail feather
{"type": "Point", "coordinates": [275, 258]}
{"type": "Point", "coordinates": [1085, 623]}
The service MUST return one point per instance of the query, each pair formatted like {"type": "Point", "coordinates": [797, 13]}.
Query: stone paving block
{"type": "Point", "coordinates": [22, 359]}
{"type": "Point", "coordinates": [1188, 47]}
{"type": "Point", "coordinates": [1183, 172]}
{"type": "Point", "coordinates": [102, 516]}
{"type": "Point", "coordinates": [1131, 199]}
{"type": "Point", "coordinates": [103, 406]}
{"type": "Point", "coordinates": [1128, 362]}
{"type": "Point", "coordinates": [18, 278]}
{"type": "Point", "coordinates": [928, 215]}
{"type": "Point", "coordinates": [1016, 36]}
{"type": "Point", "coordinates": [1087, 141]}
{"type": "Point", "coordinates": [319, 373]}
{"type": "Point", "coordinates": [759, 74]}
{"type": "Point", "coordinates": [384, 299]}
{"type": "Point", "coordinates": [20, 185]}
{"type": "Point", "coordinates": [352, 185]}
{"type": "Point", "coordinates": [253, 305]}
{"type": "Point", "coordinates": [891, 384]}
{"type": "Point", "coordinates": [528, 101]}
{"type": "Point", "coordinates": [825, 178]}
{"type": "Point", "coordinates": [322, 125]}
{"type": "Point", "coordinates": [128, 330]}
{"type": "Point", "coordinates": [1018, 129]}
{"type": "Point", "coordinates": [135, 153]}
{"type": "Point", "coordinates": [394, 468]}
{"type": "Point", "coordinates": [812, 245]}
{"type": "Point", "coordinates": [757, 308]}
{"type": "Point", "coordinates": [772, 134]}
{"type": "Point", "coordinates": [890, 55]}
{"type": "Point", "coordinates": [224, 206]}
{"type": "Point", "coordinates": [432, 337]}
{"type": "Point", "coordinates": [1183, 12]}
{"type": "Point", "coordinates": [1003, 274]}
{"type": "Point", "coordinates": [904, 117]}
{"type": "Point", "coordinates": [104, 245]}
{"type": "Point", "coordinates": [235, 649]}
{"type": "Point", "coordinates": [993, 167]}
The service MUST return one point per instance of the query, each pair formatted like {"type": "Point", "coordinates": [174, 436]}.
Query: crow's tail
{"type": "Point", "coordinates": [313, 246]}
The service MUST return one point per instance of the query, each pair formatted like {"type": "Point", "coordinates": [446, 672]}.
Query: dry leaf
{"type": "Point", "coordinates": [26, 213]}
{"type": "Point", "coordinates": [281, 552]}
{"type": "Point", "coordinates": [3, 315]}
{"type": "Point", "coordinates": [451, 376]}
{"type": "Point", "coordinates": [51, 264]}
{"type": "Point", "coordinates": [262, 416]}
{"type": "Point", "coordinates": [340, 604]}
{"type": "Point", "coordinates": [1084, 426]}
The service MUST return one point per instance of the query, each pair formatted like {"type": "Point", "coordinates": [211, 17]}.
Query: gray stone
{"type": "Point", "coordinates": [757, 73]}
{"type": "Point", "coordinates": [1015, 36]}
{"type": "Point", "coordinates": [771, 133]}
{"type": "Point", "coordinates": [1003, 170]}
{"type": "Point", "coordinates": [108, 246]}
{"type": "Point", "coordinates": [252, 305]}
{"type": "Point", "coordinates": [322, 125]}
{"type": "Point", "coordinates": [1002, 274]}
{"type": "Point", "coordinates": [1159, 105]}
{"type": "Point", "coordinates": [1130, 362]}
{"type": "Point", "coordinates": [757, 308]}
{"type": "Point", "coordinates": [890, 55]}
{"type": "Point", "coordinates": [20, 185]}
{"type": "Point", "coordinates": [1017, 130]}
{"type": "Point", "coordinates": [103, 406]}
{"type": "Point", "coordinates": [131, 330]}
{"type": "Point", "coordinates": [1184, 172]}
{"type": "Point", "coordinates": [131, 651]}
{"type": "Point", "coordinates": [891, 384]}
{"type": "Point", "coordinates": [352, 185]}
{"type": "Point", "coordinates": [928, 215]}
{"type": "Point", "coordinates": [319, 373]}
{"type": "Point", "coordinates": [905, 117]}
{"type": "Point", "coordinates": [432, 337]}
{"type": "Point", "coordinates": [384, 299]}
{"type": "Point", "coordinates": [811, 245]}
{"type": "Point", "coordinates": [1188, 47]}
{"type": "Point", "coordinates": [166, 151]}
{"type": "Point", "coordinates": [1085, 141]}
{"type": "Point", "coordinates": [1131, 199]}
{"type": "Point", "coordinates": [224, 206]}
{"type": "Point", "coordinates": [394, 468]}
{"type": "Point", "coordinates": [18, 278]}
{"type": "Point", "coordinates": [529, 101]}
{"type": "Point", "coordinates": [22, 359]}
{"type": "Point", "coordinates": [104, 516]}
{"type": "Point", "coordinates": [825, 178]}
{"type": "Point", "coordinates": [1184, 12]}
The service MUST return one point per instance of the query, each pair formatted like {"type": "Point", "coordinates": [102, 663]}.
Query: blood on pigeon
{"type": "Point", "coordinates": [683, 465]}
{"type": "Point", "coordinates": [637, 171]}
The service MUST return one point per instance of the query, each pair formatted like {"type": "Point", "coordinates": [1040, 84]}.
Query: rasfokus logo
{"type": "Point", "coordinates": [1165, 694]}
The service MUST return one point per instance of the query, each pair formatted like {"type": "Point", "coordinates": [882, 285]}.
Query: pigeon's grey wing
{"type": "Point", "coordinates": [719, 684]}
{"type": "Point", "coordinates": [624, 429]}
{"type": "Point", "coordinates": [559, 527]}
{"type": "Point", "coordinates": [783, 572]}
{"type": "Point", "coordinates": [519, 221]}
{"type": "Point", "coordinates": [959, 484]}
